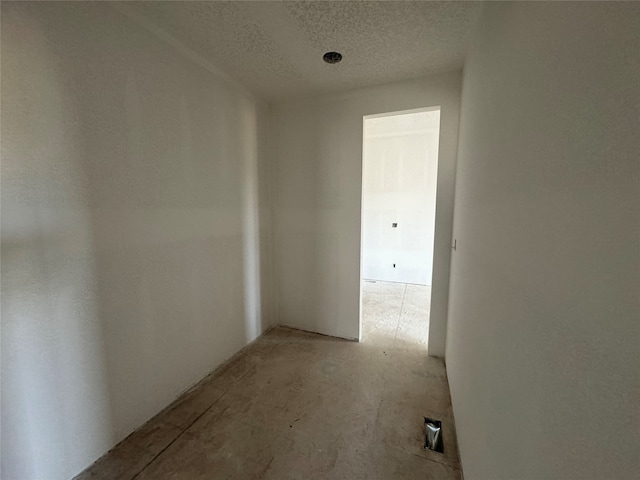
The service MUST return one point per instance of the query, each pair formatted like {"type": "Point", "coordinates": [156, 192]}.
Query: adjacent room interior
{"type": "Point", "coordinates": [182, 246]}
{"type": "Point", "coordinates": [399, 178]}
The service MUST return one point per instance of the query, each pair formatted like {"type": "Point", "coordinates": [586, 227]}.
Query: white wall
{"type": "Point", "coordinates": [133, 231]}
{"type": "Point", "coordinates": [544, 320]}
{"type": "Point", "coordinates": [316, 175]}
{"type": "Point", "coordinates": [400, 170]}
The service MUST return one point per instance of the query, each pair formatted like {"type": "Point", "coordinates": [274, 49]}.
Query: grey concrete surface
{"type": "Point", "coordinates": [297, 405]}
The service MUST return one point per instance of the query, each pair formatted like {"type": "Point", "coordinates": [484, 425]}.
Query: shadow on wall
{"type": "Point", "coordinates": [131, 232]}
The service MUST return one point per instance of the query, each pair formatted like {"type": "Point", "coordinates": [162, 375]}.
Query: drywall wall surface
{"type": "Point", "coordinates": [133, 198]}
{"type": "Point", "coordinates": [543, 352]}
{"type": "Point", "coordinates": [400, 170]}
{"type": "Point", "coordinates": [316, 179]}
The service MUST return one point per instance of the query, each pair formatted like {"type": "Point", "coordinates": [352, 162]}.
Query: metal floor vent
{"type": "Point", "coordinates": [433, 435]}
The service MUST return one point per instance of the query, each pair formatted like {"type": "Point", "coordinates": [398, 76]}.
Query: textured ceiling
{"type": "Point", "coordinates": [275, 49]}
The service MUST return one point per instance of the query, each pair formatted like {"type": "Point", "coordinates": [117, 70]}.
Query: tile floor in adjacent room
{"type": "Point", "coordinates": [395, 314]}
{"type": "Point", "coordinates": [296, 405]}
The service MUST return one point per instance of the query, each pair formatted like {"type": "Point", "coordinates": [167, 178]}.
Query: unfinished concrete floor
{"type": "Point", "coordinates": [296, 405]}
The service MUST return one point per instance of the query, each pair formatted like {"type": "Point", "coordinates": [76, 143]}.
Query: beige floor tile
{"type": "Point", "coordinates": [417, 295]}
{"type": "Point", "coordinates": [383, 288]}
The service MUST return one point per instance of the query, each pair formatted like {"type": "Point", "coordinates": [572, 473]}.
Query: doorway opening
{"type": "Point", "coordinates": [399, 179]}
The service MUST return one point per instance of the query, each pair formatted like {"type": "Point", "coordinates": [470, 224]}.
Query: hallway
{"type": "Point", "coordinates": [296, 405]}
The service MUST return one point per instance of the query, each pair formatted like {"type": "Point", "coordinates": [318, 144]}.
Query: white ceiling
{"type": "Point", "coordinates": [275, 49]}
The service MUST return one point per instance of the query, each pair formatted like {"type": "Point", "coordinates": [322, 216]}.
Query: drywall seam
{"type": "Point", "coordinates": [189, 53]}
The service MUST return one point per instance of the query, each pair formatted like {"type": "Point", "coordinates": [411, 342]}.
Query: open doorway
{"type": "Point", "coordinates": [400, 168]}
